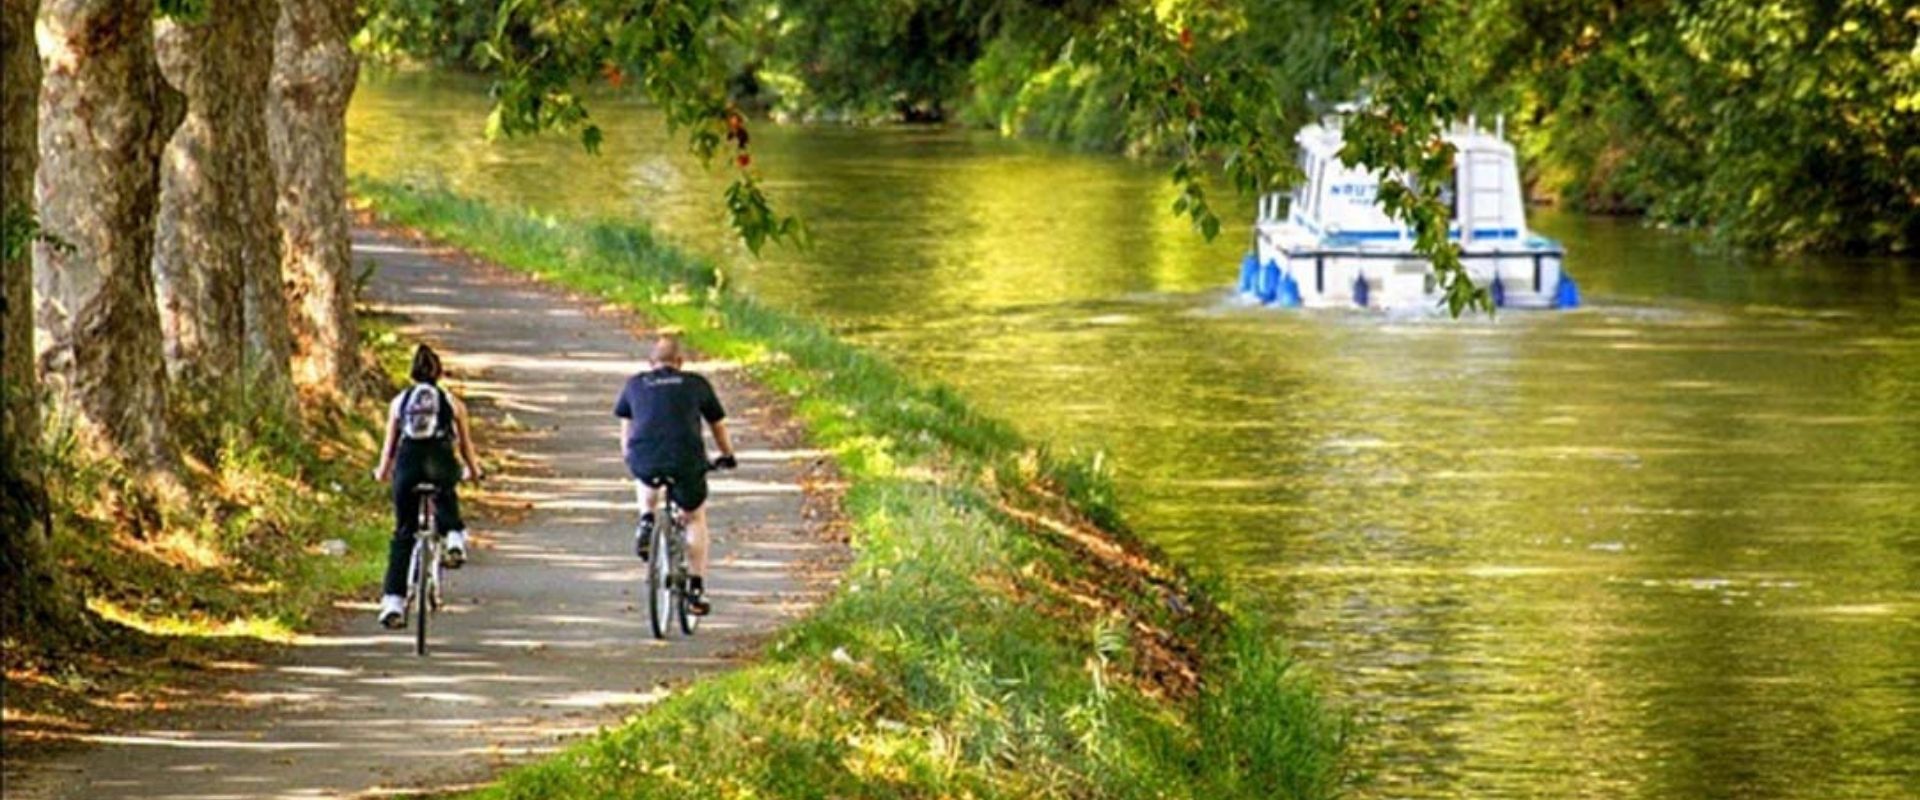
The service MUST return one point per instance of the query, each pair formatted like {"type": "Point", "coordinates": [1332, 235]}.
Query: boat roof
{"type": "Point", "coordinates": [1324, 139]}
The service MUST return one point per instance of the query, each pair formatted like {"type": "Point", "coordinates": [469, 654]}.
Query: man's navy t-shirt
{"type": "Point", "coordinates": [666, 406]}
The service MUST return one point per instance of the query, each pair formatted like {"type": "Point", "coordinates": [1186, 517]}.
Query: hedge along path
{"type": "Point", "coordinates": [546, 636]}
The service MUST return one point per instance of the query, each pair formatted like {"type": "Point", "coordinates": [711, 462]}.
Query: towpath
{"type": "Point", "coordinates": [546, 636]}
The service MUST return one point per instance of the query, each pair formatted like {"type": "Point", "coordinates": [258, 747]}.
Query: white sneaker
{"type": "Point", "coordinates": [393, 612]}
{"type": "Point", "coordinates": [456, 549]}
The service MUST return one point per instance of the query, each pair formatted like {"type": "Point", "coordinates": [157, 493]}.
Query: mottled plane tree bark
{"type": "Point", "coordinates": [106, 115]}
{"type": "Point", "coordinates": [313, 78]}
{"type": "Point", "coordinates": [269, 326]}
{"type": "Point", "coordinates": [19, 148]}
{"type": "Point", "coordinates": [217, 256]}
{"type": "Point", "coordinates": [31, 598]}
{"type": "Point", "coordinates": [197, 258]}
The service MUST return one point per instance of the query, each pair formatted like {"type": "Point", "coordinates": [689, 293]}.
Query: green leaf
{"type": "Point", "coordinates": [496, 122]}
{"type": "Point", "coordinates": [181, 10]}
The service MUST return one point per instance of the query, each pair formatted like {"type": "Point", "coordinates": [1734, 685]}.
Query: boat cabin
{"type": "Point", "coordinates": [1329, 242]}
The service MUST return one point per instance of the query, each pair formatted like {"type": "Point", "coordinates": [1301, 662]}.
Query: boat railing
{"type": "Point", "coordinates": [1320, 261]}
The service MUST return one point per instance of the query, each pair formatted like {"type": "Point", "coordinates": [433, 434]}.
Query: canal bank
{"type": "Point", "coordinates": [1000, 633]}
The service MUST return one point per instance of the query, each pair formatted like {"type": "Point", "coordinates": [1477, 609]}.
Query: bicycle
{"type": "Point", "coordinates": [667, 572]}
{"type": "Point", "coordinates": [426, 571]}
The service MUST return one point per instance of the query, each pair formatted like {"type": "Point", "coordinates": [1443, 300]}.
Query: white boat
{"type": "Point", "coordinates": [1330, 244]}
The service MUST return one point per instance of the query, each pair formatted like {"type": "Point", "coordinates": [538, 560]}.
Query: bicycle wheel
{"type": "Point", "coordinates": [422, 591]}
{"type": "Point", "coordinates": [659, 591]}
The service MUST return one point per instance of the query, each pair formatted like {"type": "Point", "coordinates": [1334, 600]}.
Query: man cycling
{"type": "Point", "coordinates": [428, 441]}
{"type": "Point", "coordinates": [660, 411]}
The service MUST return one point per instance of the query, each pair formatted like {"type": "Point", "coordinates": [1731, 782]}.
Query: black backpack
{"type": "Point", "coordinates": [423, 413]}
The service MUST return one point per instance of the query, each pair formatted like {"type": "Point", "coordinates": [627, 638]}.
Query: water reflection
{"type": "Point", "coordinates": [1666, 547]}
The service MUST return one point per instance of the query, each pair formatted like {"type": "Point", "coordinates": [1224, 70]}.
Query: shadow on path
{"type": "Point", "coordinates": [546, 634]}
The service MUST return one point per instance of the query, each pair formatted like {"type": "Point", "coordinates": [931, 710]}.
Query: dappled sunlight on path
{"type": "Point", "coordinates": [545, 635]}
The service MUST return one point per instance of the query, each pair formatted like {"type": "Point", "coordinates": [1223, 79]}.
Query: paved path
{"type": "Point", "coordinates": [546, 636]}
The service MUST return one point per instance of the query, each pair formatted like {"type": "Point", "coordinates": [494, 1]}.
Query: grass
{"type": "Point", "coordinates": [999, 633]}
{"type": "Point", "coordinates": [210, 570]}
{"type": "Point", "coordinates": [239, 550]}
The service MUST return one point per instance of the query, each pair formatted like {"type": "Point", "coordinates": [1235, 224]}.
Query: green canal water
{"type": "Point", "coordinates": [1667, 546]}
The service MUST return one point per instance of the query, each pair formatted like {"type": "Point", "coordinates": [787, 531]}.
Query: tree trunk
{"type": "Point", "coordinates": [34, 605]}
{"type": "Point", "coordinates": [106, 116]}
{"type": "Point", "coordinates": [196, 260]}
{"type": "Point", "coordinates": [313, 78]}
{"type": "Point", "coordinates": [269, 326]}
{"type": "Point", "coordinates": [217, 259]}
{"type": "Point", "coordinates": [20, 72]}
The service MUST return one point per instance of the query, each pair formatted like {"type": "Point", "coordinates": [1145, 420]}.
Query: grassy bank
{"type": "Point", "coordinates": [240, 551]}
{"type": "Point", "coordinates": [999, 633]}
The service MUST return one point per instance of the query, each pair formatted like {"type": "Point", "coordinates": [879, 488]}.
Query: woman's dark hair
{"type": "Point", "coordinates": [426, 365]}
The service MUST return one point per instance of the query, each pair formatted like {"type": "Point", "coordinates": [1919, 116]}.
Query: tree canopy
{"type": "Point", "coordinates": [1781, 124]}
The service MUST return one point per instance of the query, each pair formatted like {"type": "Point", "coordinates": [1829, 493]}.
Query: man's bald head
{"type": "Point", "coordinates": [666, 351]}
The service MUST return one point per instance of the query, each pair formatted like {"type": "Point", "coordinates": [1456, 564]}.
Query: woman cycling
{"type": "Point", "coordinates": [428, 441]}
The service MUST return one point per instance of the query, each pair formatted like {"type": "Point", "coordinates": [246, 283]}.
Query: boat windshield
{"type": "Point", "coordinates": [1348, 203]}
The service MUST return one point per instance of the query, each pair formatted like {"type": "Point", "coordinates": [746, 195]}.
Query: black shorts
{"type": "Point", "coordinates": [689, 490]}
